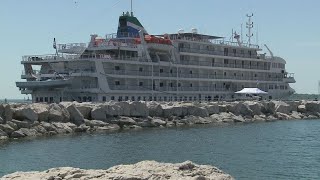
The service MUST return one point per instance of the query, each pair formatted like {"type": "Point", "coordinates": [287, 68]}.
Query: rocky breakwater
{"type": "Point", "coordinates": [39, 119]}
{"type": "Point", "coordinates": [140, 171]}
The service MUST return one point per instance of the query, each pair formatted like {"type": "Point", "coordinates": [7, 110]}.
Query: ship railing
{"type": "Point", "coordinates": [221, 53]}
{"type": "Point", "coordinates": [122, 35]}
{"type": "Point", "coordinates": [48, 57]}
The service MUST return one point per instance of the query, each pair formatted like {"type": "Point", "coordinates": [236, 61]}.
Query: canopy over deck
{"type": "Point", "coordinates": [251, 91]}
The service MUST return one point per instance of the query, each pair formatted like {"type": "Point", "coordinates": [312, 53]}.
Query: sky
{"type": "Point", "coordinates": [290, 28]}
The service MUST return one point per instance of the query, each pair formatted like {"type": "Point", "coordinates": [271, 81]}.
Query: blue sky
{"type": "Point", "coordinates": [289, 27]}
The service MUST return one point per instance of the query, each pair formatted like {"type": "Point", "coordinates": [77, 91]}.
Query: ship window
{"type": "Point", "coordinates": [161, 84]}
{"type": "Point", "coordinates": [212, 61]}
{"type": "Point", "coordinates": [126, 98]}
{"type": "Point", "coordinates": [179, 84]}
{"type": "Point", "coordinates": [139, 98]}
{"type": "Point", "coordinates": [234, 51]}
{"type": "Point", "coordinates": [51, 99]}
{"type": "Point", "coordinates": [144, 98]}
{"type": "Point", "coordinates": [46, 99]}
{"type": "Point", "coordinates": [140, 83]}
{"type": "Point", "coordinates": [191, 85]}
{"type": "Point", "coordinates": [140, 69]}
{"type": "Point", "coordinates": [171, 71]}
{"type": "Point", "coordinates": [242, 74]}
{"type": "Point", "coordinates": [270, 86]}
{"type": "Point", "coordinates": [41, 99]}
{"type": "Point", "coordinates": [235, 74]}
{"type": "Point", "coordinates": [190, 98]}
{"type": "Point", "coordinates": [226, 61]}
{"type": "Point", "coordinates": [117, 68]}
{"type": "Point", "coordinates": [225, 73]}
{"type": "Point", "coordinates": [154, 98]}
{"type": "Point", "coordinates": [84, 99]}
{"type": "Point", "coordinates": [112, 98]}
{"type": "Point", "coordinates": [175, 98]}
{"type": "Point", "coordinates": [120, 98]}
{"type": "Point", "coordinates": [160, 98]}
{"type": "Point", "coordinates": [117, 83]}
{"type": "Point", "coordinates": [195, 98]}
{"type": "Point", "coordinates": [255, 75]}
{"type": "Point", "coordinates": [132, 98]}
{"type": "Point", "coordinates": [226, 51]}
{"type": "Point", "coordinates": [150, 98]}
{"type": "Point", "coordinates": [161, 70]}
{"type": "Point", "coordinates": [105, 99]}
{"type": "Point", "coordinates": [37, 99]}
{"type": "Point", "coordinates": [171, 84]}
{"type": "Point", "coordinates": [89, 98]}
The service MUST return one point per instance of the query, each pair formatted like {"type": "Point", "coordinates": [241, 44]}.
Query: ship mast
{"type": "Point", "coordinates": [131, 9]}
{"type": "Point", "coordinates": [249, 26]}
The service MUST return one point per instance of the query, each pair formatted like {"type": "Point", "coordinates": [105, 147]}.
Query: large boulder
{"type": "Point", "coordinates": [8, 113]}
{"type": "Point", "coordinates": [94, 123]}
{"type": "Point", "coordinates": [312, 106]}
{"type": "Point", "coordinates": [58, 113]}
{"type": "Point", "coordinates": [175, 110]}
{"type": "Point", "coordinates": [241, 109]}
{"type": "Point", "coordinates": [212, 109]}
{"type": "Point", "coordinates": [85, 109]}
{"type": "Point", "coordinates": [197, 111]}
{"type": "Point", "coordinates": [255, 107]}
{"type": "Point", "coordinates": [282, 107]}
{"type": "Point", "coordinates": [25, 112]}
{"type": "Point", "coordinates": [155, 109]}
{"type": "Point", "coordinates": [122, 121]}
{"type": "Point", "coordinates": [99, 113]}
{"type": "Point", "coordinates": [6, 128]}
{"type": "Point", "coordinates": [124, 108]}
{"type": "Point", "coordinates": [294, 105]}
{"type": "Point", "coordinates": [22, 124]}
{"type": "Point", "coordinates": [138, 109]}
{"type": "Point", "coordinates": [63, 128]}
{"type": "Point", "coordinates": [158, 122]}
{"type": "Point", "coordinates": [75, 115]}
{"type": "Point", "coordinates": [302, 108]}
{"type": "Point", "coordinates": [268, 107]}
{"type": "Point", "coordinates": [42, 110]}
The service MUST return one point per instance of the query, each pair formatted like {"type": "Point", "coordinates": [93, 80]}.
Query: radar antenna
{"type": "Point", "coordinates": [249, 26]}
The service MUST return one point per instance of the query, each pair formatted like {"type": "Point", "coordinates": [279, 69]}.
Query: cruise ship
{"type": "Point", "coordinates": [133, 65]}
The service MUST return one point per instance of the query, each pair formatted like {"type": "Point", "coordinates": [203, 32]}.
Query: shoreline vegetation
{"type": "Point", "coordinates": [139, 171]}
{"type": "Point", "coordinates": [18, 120]}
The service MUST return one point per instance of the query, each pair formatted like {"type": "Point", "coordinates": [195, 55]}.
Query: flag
{"type": "Point", "coordinates": [54, 43]}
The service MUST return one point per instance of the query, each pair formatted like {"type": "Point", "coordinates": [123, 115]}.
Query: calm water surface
{"type": "Point", "coordinates": [277, 150]}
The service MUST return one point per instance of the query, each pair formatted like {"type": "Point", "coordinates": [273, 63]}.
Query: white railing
{"type": "Point", "coordinates": [71, 46]}
{"type": "Point", "coordinates": [48, 57]}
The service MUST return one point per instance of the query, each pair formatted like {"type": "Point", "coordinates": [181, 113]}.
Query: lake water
{"type": "Point", "coordinates": [276, 150]}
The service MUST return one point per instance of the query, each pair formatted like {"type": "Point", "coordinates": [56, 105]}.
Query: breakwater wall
{"type": "Point", "coordinates": [39, 119]}
{"type": "Point", "coordinates": [138, 171]}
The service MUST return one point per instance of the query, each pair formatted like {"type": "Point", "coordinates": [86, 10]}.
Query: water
{"type": "Point", "coordinates": [277, 150]}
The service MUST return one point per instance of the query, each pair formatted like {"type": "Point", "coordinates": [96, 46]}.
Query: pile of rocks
{"type": "Point", "coordinates": [140, 171]}
{"type": "Point", "coordinates": [38, 119]}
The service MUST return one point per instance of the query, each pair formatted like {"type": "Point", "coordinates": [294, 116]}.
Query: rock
{"type": "Point", "coordinates": [138, 109]}
{"type": "Point", "coordinates": [268, 107]}
{"type": "Point", "coordinates": [312, 106]}
{"type": "Point", "coordinates": [75, 115]}
{"type": "Point", "coordinates": [283, 116]}
{"type": "Point", "coordinates": [2, 121]}
{"type": "Point", "coordinates": [169, 111]}
{"type": "Point", "coordinates": [99, 113]}
{"type": "Point", "coordinates": [81, 128]}
{"type": "Point", "coordinates": [125, 121]}
{"type": "Point", "coordinates": [93, 123]}
{"type": "Point", "coordinates": [6, 128]}
{"type": "Point", "coordinates": [212, 109]}
{"type": "Point", "coordinates": [295, 115]}
{"type": "Point", "coordinates": [158, 122]}
{"type": "Point", "coordinates": [40, 129]}
{"type": "Point", "coordinates": [124, 108]}
{"type": "Point", "coordinates": [13, 125]}
{"type": "Point", "coordinates": [238, 119]}
{"type": "Point", "coordinates": [2, 133]}
{"type": "Point", "coordinates": [241, 109]}
{"type": "Point", "coordinates": [25, 112]}
{"type": "Point", "coordinates": [126, 127]}
{"type": "Point", "coordinates": [8, 113]}
{"type": "Point", "coordinates": [140, 171]}
{"type": "Point", "coordinates": [282, 107]}
{"type": "Point", "coordinates": [29, 132]}
{"type": "Point", "coordinates": [58, 113]}
{"type": "Point", "coordinates": [197, 111]}
{"type": "Point", "coordinates": [302, 108]}
{"type": "Point", "coordinates": [48, 126]}
{"type": "Point", "coordinates": [255, 107]}
{"type": "Point", "coordinates": [62, 128]}
{"type": "Point", "coordinates": [22, 124]}
{"type": "Point", "coordinates": [294, 105]}
{"type": "Point", "coordinates": [42, 110]}
{"type": "Point", "coordinates": [85, 109]}
{"type": "Point", "coordinates": [17, 134]}
{"type": "Point", "coordinates": [259, 118]}
{"type": "Point", "coordinates": [223, 108]}
{"type": "Point", "coordinates": [155, 109]}
{"type": "Point", "coordinates": [1, 111]}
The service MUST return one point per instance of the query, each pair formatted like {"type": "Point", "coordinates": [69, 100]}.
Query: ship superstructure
{"type": "Point", "coordinates": [134, 65]}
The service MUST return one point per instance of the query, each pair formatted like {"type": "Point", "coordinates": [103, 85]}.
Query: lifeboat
{"type": "Point", "coordinates": [154, 39]}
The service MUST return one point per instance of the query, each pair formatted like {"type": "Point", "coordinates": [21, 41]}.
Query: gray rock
{"type": "Point", "coordinates": [75, 115]}
{"type": "Point", "coordinates": [17, 134]}
{"type": "Point", "coordinates": [99, 113]}
{"type": "Point", "coordinates": [138, 109]}
{"type": "Point", "coordinates": [85, 110]}
{"type": "Point", "coordinates": [2, 133]}
{"type": "Point", "coordinates": [158, 122]}
{"type": "Point", "coordinates": [212, 109]}
{"type": "Point", "coordinates": [122, 121]}
{"type": "Point", "coordinates": [13, 125]}
{"type": "Point", "coordinates": [268, 107]}
{"type": "Point", "coordinates": [302, 108]}
{"type": "Point", "coordinates": [6, 128]}
{"type": "Point", "coordinates": [312, 106]}
{"type": "Point", "coordinates": [283, 116]}
{"type": "Point", "coordinates": [294, 105]}
{"type": "Point", "coordinates": [1, 111]}
{"type": "Point", "coordinates": [81, 128]}
{"type": "Point", "coordinates": [2, 121]}
{"type": "Point", "coordinates": [25, 112]}
{"type": "Point", "coordinates": [259, 118]}
{"type": "Point", "coordinates": [296, 115]}
{"type": "Point", "coordinates": [48, 126]}
{"type": "Point", "coordinates": [92, 123]}
{"type": "Point", "coordinates": [241, 109]}
{"type": "Point", "coordinates": [8, 113]}
{"type": "Point", "coordinates": [254, 106]}
{"type": "Point", "coordinates": [62, 128]}
{"type": "Point", "coordinates": [40, 129]}
{"type": "Point", "coordinates": [42, 110]}
{"type": "Point", "coordinates": [58, 113]}
{"type": "Point", "coordinates": [282, 107]}
{"type": "Point", "coordinates": [22, 124]}
{"type": "Point", "coordinates": [155, 109]}
{"type": "Point", "coordinates": [238, 119]}
{"type": "Point", "coordinates": [223, 108]}
{"type": "Point", "coordinates": [197, 111]}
